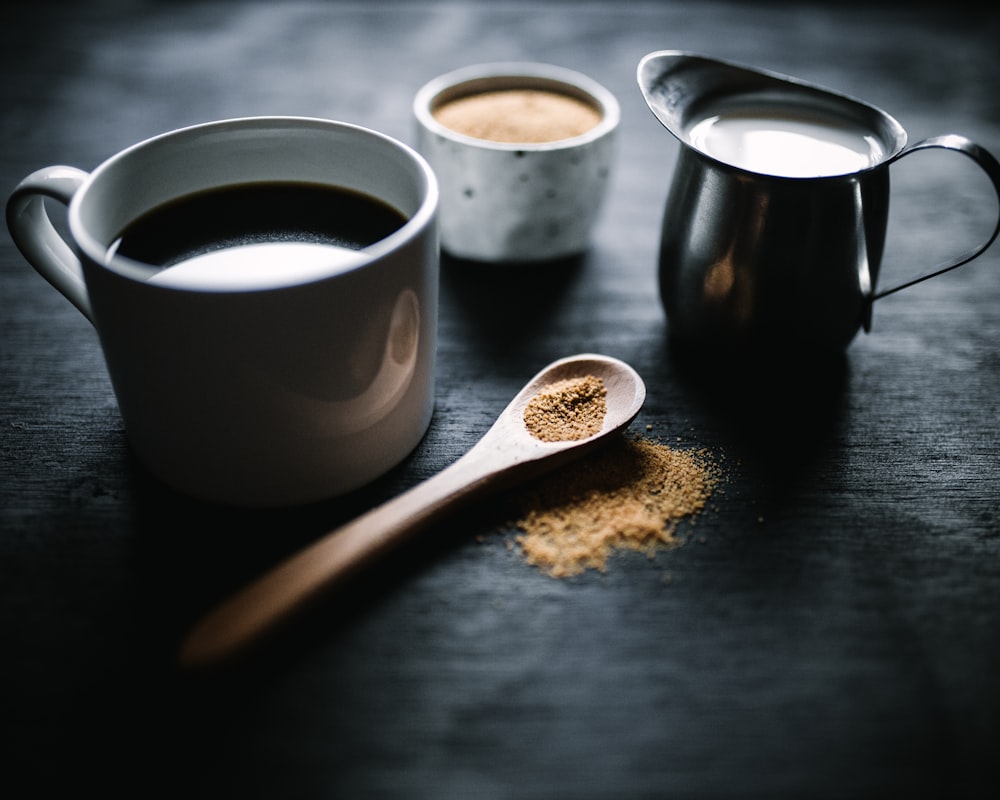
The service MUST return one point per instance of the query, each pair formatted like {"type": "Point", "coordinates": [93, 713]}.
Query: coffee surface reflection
{"type": "Point", "coordinates": [256, 234]}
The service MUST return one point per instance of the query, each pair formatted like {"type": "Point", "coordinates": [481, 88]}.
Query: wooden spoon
{"type": "Point", "coordinates": [506, 454]}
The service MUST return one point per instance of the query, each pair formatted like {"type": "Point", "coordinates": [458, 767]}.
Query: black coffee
{"type": "Point", "coordinates": [227, 228]}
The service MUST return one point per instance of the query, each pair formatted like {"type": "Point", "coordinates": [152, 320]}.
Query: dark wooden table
{"type": "Point", "coordinates": [832, 629]}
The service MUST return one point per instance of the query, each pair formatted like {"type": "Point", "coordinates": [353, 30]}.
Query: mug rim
{"type": "Point", "coordinates": [515, 75]}
{"type": "Point", "coordinates": [411, 229]}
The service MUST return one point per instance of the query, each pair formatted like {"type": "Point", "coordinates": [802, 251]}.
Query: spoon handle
{"type": "Point", "coordinates": [508, 453]}
{"type": "Point", "coordinates": [261, 606]}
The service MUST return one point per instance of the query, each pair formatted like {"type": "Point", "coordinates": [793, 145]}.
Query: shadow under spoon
{"type": "Point", "coordinates": [507, 454]}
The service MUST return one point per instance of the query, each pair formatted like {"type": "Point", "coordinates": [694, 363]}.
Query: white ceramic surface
{"type": "Point", "coordinates": [268, 396]}
{"type": "Point", "coordinates": [517, 202]}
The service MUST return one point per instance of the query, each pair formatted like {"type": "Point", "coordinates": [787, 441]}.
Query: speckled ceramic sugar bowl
{"type": "Point", "coordinates": [523, 154]}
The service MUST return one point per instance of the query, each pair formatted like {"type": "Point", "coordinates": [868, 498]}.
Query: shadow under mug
{"type": "Point", "coordinates": [284, 392]}
{"type": "Point", "coordinates": [756, 260]}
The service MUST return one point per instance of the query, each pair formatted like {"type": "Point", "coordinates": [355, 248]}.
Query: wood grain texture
{"type": "Point", "coordinates": [830, 629]}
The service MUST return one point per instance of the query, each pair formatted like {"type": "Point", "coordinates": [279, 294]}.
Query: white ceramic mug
{"type": "Point", "coordinates": [289, 389]}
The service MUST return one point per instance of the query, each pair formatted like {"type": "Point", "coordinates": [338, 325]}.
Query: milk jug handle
{"type": "Point", "coordinates": [37, 238]}
{"type": "Point", "coordinates": [989, 165]}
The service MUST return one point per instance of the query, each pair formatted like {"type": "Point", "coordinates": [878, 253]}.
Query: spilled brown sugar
{"type": "Point", "coordinates": [518, 116]}
{"type": "Point", "coordinates": [629, 495]}
{"type": "Point", "coordinates": [567, 410]}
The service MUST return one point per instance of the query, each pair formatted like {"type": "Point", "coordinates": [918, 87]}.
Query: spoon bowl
{"type": "Point", "coordinates": [507, 454]}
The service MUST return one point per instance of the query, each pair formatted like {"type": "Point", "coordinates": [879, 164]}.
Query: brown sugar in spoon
{"type": "Point", "coordinates": [528, 439]}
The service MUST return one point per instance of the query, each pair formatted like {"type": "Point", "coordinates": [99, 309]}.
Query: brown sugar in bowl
{"type": "Point", "coordinates": [519, 116]}
{"type": "Point", "coordinates": [524, 170]}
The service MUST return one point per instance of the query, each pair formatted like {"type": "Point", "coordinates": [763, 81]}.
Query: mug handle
{"type": "Point", "coordinates": [36, 237]}
{"type": "Point", "coordinates": [989, 165]}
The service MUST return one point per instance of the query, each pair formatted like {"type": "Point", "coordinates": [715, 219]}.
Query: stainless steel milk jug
{"type": "Point", "coordinates": [771, 250]}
